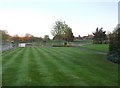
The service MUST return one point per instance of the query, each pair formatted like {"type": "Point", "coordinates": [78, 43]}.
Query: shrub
{"type": "Point", "coordinates": [114, 46]}
{"type": "Point", "coordinates": [114, 57]}
{"type": "Point", "coordinates": [65, 43]}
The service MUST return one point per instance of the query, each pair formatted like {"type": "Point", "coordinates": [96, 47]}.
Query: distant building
{"type": "Point", "coordinates": [22, 45]}
{"type": "Point", "coordinates": [78, 38]}
{"type": "Point", "coordinates": [89, 36]}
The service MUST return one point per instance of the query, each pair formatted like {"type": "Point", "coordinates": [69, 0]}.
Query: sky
{"type": "Point", "coordinates": [37, 17]}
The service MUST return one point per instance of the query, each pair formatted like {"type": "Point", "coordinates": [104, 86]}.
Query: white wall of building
{"type": "Point", "coordinates": [22, 45]}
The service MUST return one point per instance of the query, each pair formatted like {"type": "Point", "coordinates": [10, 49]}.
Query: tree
{"type": "Point", "coordinates": [46, 38]}
{"type": "Point", "coordinates": [61, 31]}
{"type": "Point", "coordinates": [57, 30]}
{"type": "Point", "coordinates": [99, 36]}
{"type": "Point", "coordinates": [29, 37]}
{"type": "Point", "coordinates": [16, 38]}
{"type": "Point", "coordinates": [114, 45]}
{"type": "Point", "coordinates": [68, 35]}
{"type": "Point", "coordinates": [4, 36]}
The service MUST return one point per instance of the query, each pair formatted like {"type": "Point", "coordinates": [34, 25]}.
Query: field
{"type": "Point", "coordinates": [58, 66]}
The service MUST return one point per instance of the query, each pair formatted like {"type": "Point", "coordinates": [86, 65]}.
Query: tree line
{"type": "Point", "coordinates": [18, 39]}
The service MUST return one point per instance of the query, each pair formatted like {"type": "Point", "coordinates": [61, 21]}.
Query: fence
{"type": "Point", "coordinates": [6, 46]}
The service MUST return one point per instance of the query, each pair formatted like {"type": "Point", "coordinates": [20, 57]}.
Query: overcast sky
{"type": "Point", "coordinates": [38, 16]}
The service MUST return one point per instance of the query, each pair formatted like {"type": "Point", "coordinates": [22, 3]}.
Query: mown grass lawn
{"type": "Point", "coordinates": [57, 66]}
{"type": "Point", "coordinates": [98, 47]}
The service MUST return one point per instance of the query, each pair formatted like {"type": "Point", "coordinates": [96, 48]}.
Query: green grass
{"type": "Point", "coordinates": [57, 66]}
{"type": "Point", "coordinates": [98, 47]}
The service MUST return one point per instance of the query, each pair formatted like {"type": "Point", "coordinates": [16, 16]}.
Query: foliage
{"type": "Point", "coordinates": [61, 31]}
{"type": "Point", "coordinates": [4, 36]}
{"type": "Point", "coordinates": [114, 46]}
{"type": "Point", "coordinates": [26, 38]}
{"type": "Point", "coordinates": [114, 57]}
{"type": "Point", "coordinates": [58, 29]}
{"type": "Point", "coordinates": [99, 36]}
{"type": "Point", "coordinates": [15, 38]}
{"type": "Point", "coordinates": [46, 38]}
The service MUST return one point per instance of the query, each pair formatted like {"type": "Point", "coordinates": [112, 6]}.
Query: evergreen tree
{"type": "Point", "coordinates": [99, 36]}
